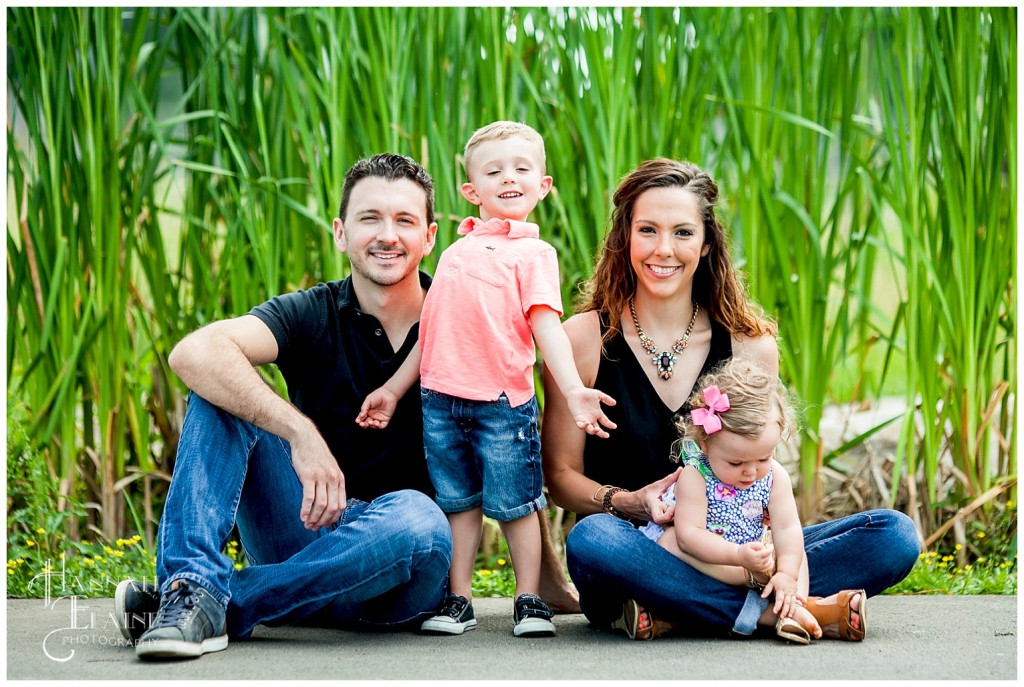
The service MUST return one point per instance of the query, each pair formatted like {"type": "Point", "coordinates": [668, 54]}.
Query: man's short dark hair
{"type": "Point", "coordinates": [391, 167]}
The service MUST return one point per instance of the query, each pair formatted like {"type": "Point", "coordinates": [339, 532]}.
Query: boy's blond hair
{"type": "Point", "coordinates": [496, 131]}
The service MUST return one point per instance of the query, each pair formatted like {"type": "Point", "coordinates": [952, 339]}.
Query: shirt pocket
{"type": "Point", "coordinates": [495, 271]}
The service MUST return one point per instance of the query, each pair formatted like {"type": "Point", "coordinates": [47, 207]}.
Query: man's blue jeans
{"type": "Point", "coordinates": [383, 564]}
{"type": "Point", "coordinates": [610, 560]}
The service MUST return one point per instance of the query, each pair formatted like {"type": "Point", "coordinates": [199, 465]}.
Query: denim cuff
{"type": "Point", "coordinates": [753, 607]}
{"type": "Point", "coordinates": [519, 512]}
{"type": "Point", "coordinates": [221, 597]}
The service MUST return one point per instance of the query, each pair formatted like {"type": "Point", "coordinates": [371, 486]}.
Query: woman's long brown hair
{"type": "Point", "coordinates": [716, 285]}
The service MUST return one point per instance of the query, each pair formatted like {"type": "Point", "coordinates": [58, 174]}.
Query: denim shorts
{"type": "Point", "coordinates": [483, 454]}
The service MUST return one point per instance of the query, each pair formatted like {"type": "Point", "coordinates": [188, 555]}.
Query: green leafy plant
{"type": "Point", "coordinates": [44, 562]}
{"type": "Point", "coordinates": [939, 574]}
{"type": "Point", "coordinates": [493, 575]}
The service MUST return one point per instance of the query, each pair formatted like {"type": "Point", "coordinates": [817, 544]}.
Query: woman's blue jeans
{"type": "Point", "coordinates": [383, 564]}
{"type": "Point", "coordinates": [611, 561]}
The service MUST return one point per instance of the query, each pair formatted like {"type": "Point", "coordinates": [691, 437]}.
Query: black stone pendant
{"type": "Point", "coordinates": [665, 362]}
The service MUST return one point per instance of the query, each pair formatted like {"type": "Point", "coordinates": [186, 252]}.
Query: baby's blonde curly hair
{"type": "Point", "coordinates": [755, 398]}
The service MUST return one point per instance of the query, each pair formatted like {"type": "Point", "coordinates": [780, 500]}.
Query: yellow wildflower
{"type": "Point", "coordinates": [980, 534]}
{"type": "Point", "coordinates": [958, 547]}
{"type": "Point", "coordinates": [30, 543]}
{"type": "Point", "coordinates": [40, 530]}
{"type": "Point", "coordinates": [87, 560]}
{"type": "Point", "coordinates": [238, 566]}
{"type": "Point", "coordinates": [100, 559]}
{"type": "Point", "coordinates": [10, 572]}
{"type": "Point", "coordinates": [501, 561]}
{"type": "Point", "coordinates": [981, 559]}
{"type": "Point", "coordinates": [942, 564]}
{"type": "Point", "coordinates": [967, 568]}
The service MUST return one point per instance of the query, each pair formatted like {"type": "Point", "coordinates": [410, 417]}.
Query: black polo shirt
{"type": "Point", "coordinates": [332, 355]}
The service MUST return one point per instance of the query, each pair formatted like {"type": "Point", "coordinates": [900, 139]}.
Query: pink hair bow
{"type": "Point", "coordinates": [706, 417]}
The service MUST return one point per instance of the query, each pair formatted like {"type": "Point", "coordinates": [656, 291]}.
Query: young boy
{"type": "Point", "coordinates": [493, 293]}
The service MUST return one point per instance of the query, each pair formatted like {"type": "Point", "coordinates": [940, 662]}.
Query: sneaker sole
{"type": "Point", "coordinates": [441, 627]}
{"type": "Point", "coordinates": [534, 627]}
{"type": "Point", "coordinates": [178, 648]}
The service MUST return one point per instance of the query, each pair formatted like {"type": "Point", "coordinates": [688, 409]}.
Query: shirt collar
{"type": "Point", "coordinates": [347, 295]}
{"type": "Point", "coordinates": [514, 228]}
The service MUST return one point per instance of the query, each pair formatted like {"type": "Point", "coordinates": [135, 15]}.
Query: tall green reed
{"type": "Point", "coordinates": [85, 193]}
{"type": "Point", "coordinates": [948, 107]}
{"type": "Point", "coordinates": [269, 107]}
{"type": "Point", "coordinates": [802, 225]}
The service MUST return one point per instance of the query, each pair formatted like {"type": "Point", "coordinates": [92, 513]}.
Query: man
{"type": "Point", "coordinates": [336, 520]}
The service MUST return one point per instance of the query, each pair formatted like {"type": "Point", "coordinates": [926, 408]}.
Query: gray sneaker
{"type": "Point", "coordinates": [190, 622]}
{"type": "Point", "coordinates": [135, 605]}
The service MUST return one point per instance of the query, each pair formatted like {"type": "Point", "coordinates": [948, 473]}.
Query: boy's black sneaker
{"type": "Point", "coordinates": [190, 623]}
{"type": "Point", "coordinates": [533, 617]}
{"type": "Point", "coordinates": [135, 605]}
{"type": "Point", "coordinates": [453, 618]}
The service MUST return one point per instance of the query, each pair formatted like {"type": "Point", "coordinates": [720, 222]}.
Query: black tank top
{"type": "Point", "coordinates": [639, 451]}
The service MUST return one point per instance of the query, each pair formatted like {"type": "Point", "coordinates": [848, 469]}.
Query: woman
{"type": "Point", "coordinates": [664, 275]}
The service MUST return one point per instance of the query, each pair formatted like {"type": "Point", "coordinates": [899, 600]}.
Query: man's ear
{"type": "Point", "coordinates": [431, 236]}
{"type": "Point", "coordinates": [545, 186]}
{"type": "Point", "coordinates": [470, 194]}
{"type": "Point", "coordinates": [340, 240]}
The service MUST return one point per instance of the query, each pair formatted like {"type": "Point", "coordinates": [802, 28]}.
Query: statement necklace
{"type": "Point", "coordinates": [665, 360]}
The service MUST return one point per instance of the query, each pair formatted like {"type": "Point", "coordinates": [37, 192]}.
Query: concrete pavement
{"type": "Point", "coordinates": [909, 637]}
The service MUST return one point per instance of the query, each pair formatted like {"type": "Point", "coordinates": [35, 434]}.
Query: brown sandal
{"type": "Point", "coordinates": [638, 623]}
{"type": "Point", "coordinates": [837, 619]}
